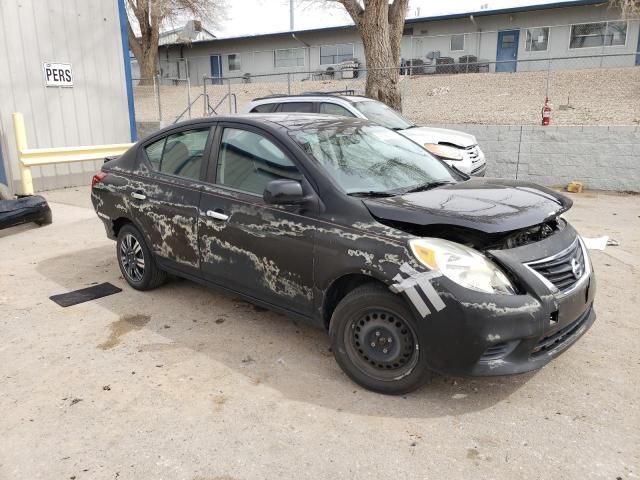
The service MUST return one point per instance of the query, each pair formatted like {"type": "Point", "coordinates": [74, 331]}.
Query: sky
{"type": "Point", "coordinates": [250, 17]}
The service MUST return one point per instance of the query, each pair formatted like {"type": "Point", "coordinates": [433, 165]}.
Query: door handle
{"type": "Point", "coordinates": [217, 215]}
{"type": "Point", "coordinates": [138, 196]}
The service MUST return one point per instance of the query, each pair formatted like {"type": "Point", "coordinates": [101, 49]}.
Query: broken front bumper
{"type": "Point", "coordinates": [486, 334]}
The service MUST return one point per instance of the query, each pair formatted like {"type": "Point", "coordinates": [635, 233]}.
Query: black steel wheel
{"type": "Point", "coordinates": [136, 262]}
{"type": "Point", "coordinates": [374, 339]}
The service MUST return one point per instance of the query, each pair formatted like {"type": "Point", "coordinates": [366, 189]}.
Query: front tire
{"type": "Point", "coordinates": [136, 262]}
{"type": "Point", "coordinates": [374, 339]}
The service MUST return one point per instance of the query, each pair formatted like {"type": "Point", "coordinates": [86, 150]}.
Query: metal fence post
{"type": "Point", "coordinates": [288, 83]}
{"type": "Point", "coordinates": [189, 93]}
{"type": "Point", "coordinates": [204, 96]}
{"type": "Point", "coordinates": [156, 83]}
{"type": "Point", "coordinates": [229, 95]}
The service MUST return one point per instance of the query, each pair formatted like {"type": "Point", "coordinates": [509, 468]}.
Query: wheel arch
{"type": "Point", "coordinates": [339, 288]}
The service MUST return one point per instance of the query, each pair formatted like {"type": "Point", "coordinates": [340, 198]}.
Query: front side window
{"type": "Point", "coordinates": [457, 43]}
{"type": "Point", "coordinates": [333, 109]}
{"type": "Point", "coordinates": [302, 107]}
{"type": "Point", "coordinates": [179, 154]}
{"type": "Point", "coordinates": [365, 159]}
{"type": "Point", "coordinates": [600, 34]}
{"type": "Point", "coordinates": [289, 57]}
{"type": "Point", "coordinates": [537, 39]}
{"type": "Point", "coordinates": [234, 62]}
{"type": "Point", "coordinates": [383, 115]}
{"type": "Point", "coordinates": [332, 54]}
{"type": "Point", "coordinates": [247, 161]}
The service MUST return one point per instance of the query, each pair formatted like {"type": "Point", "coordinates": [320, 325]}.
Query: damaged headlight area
{"type": "Point", "coordinates": [445, 151]}
{"type": "Point", "coordinates": [465, 266]}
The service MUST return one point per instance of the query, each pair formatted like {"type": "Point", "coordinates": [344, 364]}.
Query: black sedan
{"type": "Point", "coordinates": [359, 231]}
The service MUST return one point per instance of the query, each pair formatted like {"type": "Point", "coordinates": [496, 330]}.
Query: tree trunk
{"type": "Point", "coordinates": [380, 25]}
{"type": "Point", "coordinates": [148, 63]}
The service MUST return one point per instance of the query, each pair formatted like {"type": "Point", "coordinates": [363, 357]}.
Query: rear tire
{"type": "Point", "coordinates": [136, 262]}
{"type": "Point", "coordinates": [374, 340]}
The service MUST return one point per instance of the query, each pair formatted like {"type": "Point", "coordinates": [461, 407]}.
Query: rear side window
{"type": "Point", "coordinates": [179, 154]}
{"type": "Point", "coordinates": [333, 109]}
{"type": "Point", "coordinates": [302, 107]}
{"type": "Point", "coordinates": [265, 108]}
{"type": "Point", "coordinates": [248, 161]}
{"type": "Point", "coordinates": [154, 153]}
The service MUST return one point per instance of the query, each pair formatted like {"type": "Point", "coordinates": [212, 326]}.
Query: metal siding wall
{"type": "Point", "coordinates": [85, 33]}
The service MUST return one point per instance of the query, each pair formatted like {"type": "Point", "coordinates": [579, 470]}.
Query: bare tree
{"type": "Point", "coordinates": [630, 8]}
{"type": "Point", "coordinates": [150, 15]}
{"type": "Point", "coordinates": [380, 24]}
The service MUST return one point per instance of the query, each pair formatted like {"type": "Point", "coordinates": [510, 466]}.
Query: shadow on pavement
{"type": "Point", "coordinates": [265, 347]}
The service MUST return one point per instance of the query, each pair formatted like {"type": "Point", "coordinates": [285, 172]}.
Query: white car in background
{"type": "Point", "coordinates": [458, 149]}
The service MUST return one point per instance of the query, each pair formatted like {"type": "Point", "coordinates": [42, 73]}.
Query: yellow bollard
{"type": "Point", "coordinates": [21, 146]}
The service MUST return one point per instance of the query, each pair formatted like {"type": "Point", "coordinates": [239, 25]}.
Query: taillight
{"type": "Point", "coordinates": [97, 178]}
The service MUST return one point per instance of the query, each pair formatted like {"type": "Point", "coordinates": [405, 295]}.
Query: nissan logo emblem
{"type": "Point", "coordinates": [576, 268]}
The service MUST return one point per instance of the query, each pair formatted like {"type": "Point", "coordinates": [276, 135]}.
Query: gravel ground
{"type": "Point", "coordinates": [185, 383]}
{"type": "Point", "coordinates": [579, 97]}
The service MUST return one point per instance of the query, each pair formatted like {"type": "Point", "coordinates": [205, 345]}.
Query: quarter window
{"type": "Point", "coordinates": [179, 154]}
{"type": "Point", "coordinates": [457, 43]}
{"type": "Point", "coordinates": [600, 34]}
{"type": "Point", "coordinates": [331, 54]}
{"type": "Point", "coordinates": [289, 57]}
{"type": "Point", "coordinates": [537, 39]}
{"type": "Point", "coordinates": [234, 62]}
{"type": "Point", "coordinates": [333, 109]}
{"type": "Point", "coordinates": [248, 161]}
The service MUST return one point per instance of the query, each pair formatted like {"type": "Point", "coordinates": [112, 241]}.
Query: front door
{"type": "Point", "coordinates": [166, 201]}
{"type": "Point", "coordinates": [216, 69]}
{"type": "Point", "coordinates": [256, 249]}
{"type": "Point", "coordinates": [507, 51]}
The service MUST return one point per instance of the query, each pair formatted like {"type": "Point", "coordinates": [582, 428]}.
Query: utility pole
{"type": "Point", "coordinates": [291, 14]}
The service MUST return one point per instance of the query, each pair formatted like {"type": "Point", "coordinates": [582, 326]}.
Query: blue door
{"type": "Point", "coordinates": [507, 50]}
{"type": "Point", "coordinates": [216, 68]}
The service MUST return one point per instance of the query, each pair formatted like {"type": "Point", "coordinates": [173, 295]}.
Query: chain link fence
{"type": "Point", "coordinates": [585, 90]}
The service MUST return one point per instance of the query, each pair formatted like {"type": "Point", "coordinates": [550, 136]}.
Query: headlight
{"type": "Point", "coordinates": [445, 151]}
{"type": "Point", "coordinates": [463, 265]}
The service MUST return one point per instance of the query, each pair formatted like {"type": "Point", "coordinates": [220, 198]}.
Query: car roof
{"type": "Point", "coordinates": [312, 96]}
{"type": "Point", "coordinates": [286, 121]}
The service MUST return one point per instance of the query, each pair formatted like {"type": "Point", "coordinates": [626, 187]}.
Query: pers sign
{"type": "Point", "coordinates": [57, 74]}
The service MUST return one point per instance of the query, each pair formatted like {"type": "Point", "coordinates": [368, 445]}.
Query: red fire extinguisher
{"type": "Point", "coordinates": [546, 112]}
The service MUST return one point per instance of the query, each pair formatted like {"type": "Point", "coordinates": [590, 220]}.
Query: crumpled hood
{"type": "Point", "coordinates": [423, 135]}
{"type": "Point", "coordinates": [487, 205]}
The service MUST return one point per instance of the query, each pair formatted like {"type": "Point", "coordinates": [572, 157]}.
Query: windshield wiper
{"type": "Point", "coordinates": [429, 186]}
{"type": "Point", "coordinates": [371, 193]}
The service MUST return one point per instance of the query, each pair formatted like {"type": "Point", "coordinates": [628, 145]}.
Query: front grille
{"type": "Point", "coordinates": [473, 153]}
{"type": "Point", "coordinates": [552, 341]}
{"type": "Point", "coordinates": [564, 269]}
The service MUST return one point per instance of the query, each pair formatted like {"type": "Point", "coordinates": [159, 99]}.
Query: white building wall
{"type": "Point", "coordinates": [94, 111]}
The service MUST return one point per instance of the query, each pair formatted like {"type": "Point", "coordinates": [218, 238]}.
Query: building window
{"type": "Point", "coordinates": [289, 57]}
{"type": "Point", "coordinates": [332, 54]}
{"type": "Point", "coordinates": [601, 34]}
{"type": "Point", "coordinates": [457, 43]}
{"type": "Point", "coordinates": [234, 62]}
{"type": "Point", "coordinates": [537, 39]}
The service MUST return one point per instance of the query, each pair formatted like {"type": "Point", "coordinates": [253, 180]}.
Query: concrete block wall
{"type": "Point", "coordinates": [601, 157]}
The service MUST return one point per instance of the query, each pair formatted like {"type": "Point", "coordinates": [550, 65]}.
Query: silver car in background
{"type": "Point", "coordinates": [458, 149]}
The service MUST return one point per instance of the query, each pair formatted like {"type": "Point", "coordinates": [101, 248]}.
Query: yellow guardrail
{"type": "Point", "coordinates": [37, 157]}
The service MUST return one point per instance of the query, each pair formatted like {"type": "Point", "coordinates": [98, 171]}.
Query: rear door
{"type": "Point", "coordinates": [260, 250]}
{"type": "Point", "coordinates": [165, 201]}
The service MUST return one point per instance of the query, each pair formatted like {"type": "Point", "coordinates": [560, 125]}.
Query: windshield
{"type": "Point", "coordinates": [383, 115]}
{"type": "Point", "coordinates": [370, 159]}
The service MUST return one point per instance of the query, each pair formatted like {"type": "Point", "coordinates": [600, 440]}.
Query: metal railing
{"type": "Point", "coordinates": [28, 158]}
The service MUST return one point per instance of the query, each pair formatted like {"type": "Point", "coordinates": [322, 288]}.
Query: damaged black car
{"type": "Point", "coordinates": [410, 267]}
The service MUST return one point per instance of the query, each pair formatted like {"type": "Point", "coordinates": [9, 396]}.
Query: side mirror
{"type": "Point", "coordinates": [283, 192]}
